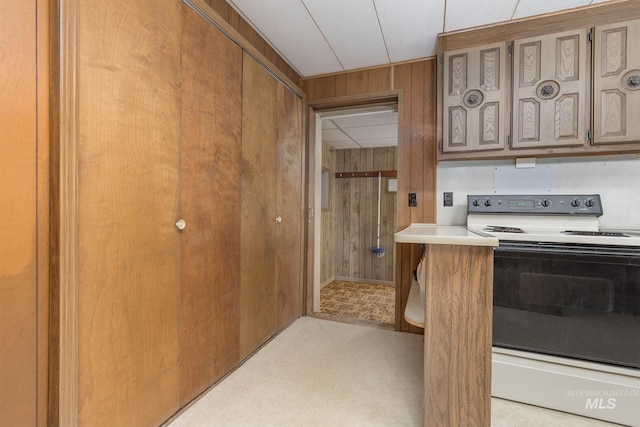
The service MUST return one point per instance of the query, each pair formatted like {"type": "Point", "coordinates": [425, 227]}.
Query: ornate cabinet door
{"type": "Point", "coordinates": [550, 90]}
{"type": "Point", "coordinates": [616, 82]}
{"type": "Point", "coordinates": [475, 97]}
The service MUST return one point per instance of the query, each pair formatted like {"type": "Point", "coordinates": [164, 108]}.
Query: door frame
{"type": "Point", "coordinates": [313, 171]}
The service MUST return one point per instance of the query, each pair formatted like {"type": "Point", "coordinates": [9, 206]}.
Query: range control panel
{"type": "Point", "coordinates": [571, 204]}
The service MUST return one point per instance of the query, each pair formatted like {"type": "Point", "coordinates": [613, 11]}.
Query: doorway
{"type": "Point", "coordinates": [354, 256]}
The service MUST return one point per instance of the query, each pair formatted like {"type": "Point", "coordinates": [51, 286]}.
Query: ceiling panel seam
{"type": "Point", "coordinates": [384, 39]}
{"type": "Point", "coordinates": [323, 36]}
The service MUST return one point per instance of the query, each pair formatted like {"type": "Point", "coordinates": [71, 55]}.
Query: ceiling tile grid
{"type": "Point", "coordinates": [326, 36]}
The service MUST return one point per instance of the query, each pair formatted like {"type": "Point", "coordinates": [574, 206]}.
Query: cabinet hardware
{"type": "Point", "coordinates": [181, 224]}
{"type": "Point", "coordinates": [278, 219]}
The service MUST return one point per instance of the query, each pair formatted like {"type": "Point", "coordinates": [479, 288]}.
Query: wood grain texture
{"type": "Point", "coordinates": [557, 62]}
{"type": "Point", "coordinates": [417, 132]}
{"type": "Point", "coordinates": [19, 198]}
{"type": "Point", "coordinates": [211, 181]}
{"type": "Point", "coordinates": [355, 216]}
{"type": "Point", "coordinates": [616, 103]}
{"type": "Point", "coordinates": [237, 28]}
{"type": "Point", "coordinates": [457, 336]}
{"type": "Point", "coordinates": [583, 17]}
{"type": "Point", "coordinates": [606, 14]}
{"type": "Point", "coordinates": [288, 198]}
{"type": "Point", "coordinates": [258, 234]}
{"type": "Point", "coordinates": [128, 195]}
{"type": "Point", "coordinates": [481, 72]}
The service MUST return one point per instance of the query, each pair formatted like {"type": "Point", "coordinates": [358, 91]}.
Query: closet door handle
{"type": "Point", "coordinates": [278, 219]}
{"type": "Point", "coordinates": [181, 224]}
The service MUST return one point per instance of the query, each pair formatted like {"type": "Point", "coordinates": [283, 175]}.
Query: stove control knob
{"type": "Point", "coordinates": [476, 202]}
{"type": "Point", "coordinates": [575, 203]}
{"type": "Point", "coordinates": [546, 203]}
{"type": "Point", "coordinates": [487, 202]}
{"type": "Point", "coordinates": [589, 203]}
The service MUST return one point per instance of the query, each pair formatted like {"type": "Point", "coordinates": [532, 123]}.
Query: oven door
{"type": "Point", "coordinates": [576, 301]}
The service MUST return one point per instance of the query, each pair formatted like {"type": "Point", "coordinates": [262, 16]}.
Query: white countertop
{"type": "Point", "coordinates": [443, 235]}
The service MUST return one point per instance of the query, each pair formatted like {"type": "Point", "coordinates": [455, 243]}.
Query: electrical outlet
{"type": "Point", "coordinates": [448, 198]}
{"type": "Point", "coordinates": [413, 200]}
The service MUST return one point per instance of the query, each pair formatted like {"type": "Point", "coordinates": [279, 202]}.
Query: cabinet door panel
{"type": "Point", "coordinates": [549, 90]}
{"type": "Point", "coordinates": [289, 207]}
{"type": "Point", "coordinates": [616, 101]}
{"type": "Point", "coordinates": [475, 99]}
{"type": "Point", "coordinates": [258, 238]}
{"type": "Point", "coordinates": [211, 184]}
{"type": "Point", "coordinates": [128, 198]}
{"type": "Point", "coordinates": [18, 260]}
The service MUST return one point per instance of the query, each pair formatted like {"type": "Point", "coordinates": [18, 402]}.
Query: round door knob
{"type": "Point", "coordinates": [278, 219]}
{"type": "Point", "coordinates": [181, 224]}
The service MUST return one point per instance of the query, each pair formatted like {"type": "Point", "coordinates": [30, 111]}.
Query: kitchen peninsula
{"type": "Point", "coordinates": [457, 323]}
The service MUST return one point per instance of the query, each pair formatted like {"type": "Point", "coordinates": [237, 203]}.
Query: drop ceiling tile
{"type": "Point", "coordinates": [367, 120]}
{"type": "Point", "coordinates": [291, 31]}
{"type": "Point", "coordinates": [331, 135]}
{"type": "Point", "coordinates": [328, 124]}
{"type": "Point", "coordinates": [378, 142]}
{"type": "Point", "coordinates": [344, 145]}
{"type": "Point", "coordinates": [370, 132]}
{"type": "Point", "coordinates": [536, 7]}
{"type": "Point", "coordinates": [410, 30]}
{"type": "Point", "coordinates": [464, 13]}
{"type": "Point", "coordinates": [352, 29]}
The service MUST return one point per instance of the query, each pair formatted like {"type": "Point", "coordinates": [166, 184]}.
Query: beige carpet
{"type": "Point", "coordinates": [359, 301]}
{"type": "Point", "coordinates": [323, 373]}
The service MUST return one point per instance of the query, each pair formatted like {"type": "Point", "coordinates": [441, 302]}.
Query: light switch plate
{"type": "Point", "coordinates": [413, 200]}
{"type": "Point", "coordinates": [448, 198]}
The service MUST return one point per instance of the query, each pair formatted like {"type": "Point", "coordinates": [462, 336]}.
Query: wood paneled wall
{"type": "Point", "coordinates": [24, 200]}
{"type": "Point", "coordinates": [160, 128]}
{"type": "Point", "coordinates": [414, 84]}
{"type": "Point", "coordinates": [327, 272]}
{"type": "Point", "coordinates": [355, 215]}
{"type": "Point", "coordinates": [230, 15]}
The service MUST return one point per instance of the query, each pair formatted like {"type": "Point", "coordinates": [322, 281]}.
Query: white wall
{"type": "Point", "coordinates": [615, 178]}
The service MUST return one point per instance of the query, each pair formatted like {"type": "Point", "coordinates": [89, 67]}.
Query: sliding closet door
{"type": "Point", "coordinates": [288, 207]}
{"type": "Point", "coordinates": [18, 204]}
{"type": "Point", "coordinates": [258, 237]}
{"type": "Point", "coordinates": [211, 186]}
{"type": "Point", "coordinates": [128, 203]}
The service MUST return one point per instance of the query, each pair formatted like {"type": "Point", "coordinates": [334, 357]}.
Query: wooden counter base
{"type": "Point", "coordinates": [457, 335]}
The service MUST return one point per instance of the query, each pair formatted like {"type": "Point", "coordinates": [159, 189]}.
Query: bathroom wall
{"type": "Point", "coordinates": [355, 210]}
{"type": "Point", "coordinates": [326, 259]}
{"type": "Point", "coordinates": [615, 178]}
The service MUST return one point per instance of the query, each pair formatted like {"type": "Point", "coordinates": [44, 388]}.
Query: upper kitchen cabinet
{"type": "Point", "coordinates": [572, 85]}
{"type": "Point", "coordinates": [474, 97]}
{"type": "Point", "coordinates": [616, 82]}
{"type": "Point", "coordinates": [549, 90]}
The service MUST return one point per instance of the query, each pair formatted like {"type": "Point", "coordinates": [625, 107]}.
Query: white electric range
{"type": "Point", "coordinates": [566, 315]}
{"type": "Point", "coordinates": [545, 219]}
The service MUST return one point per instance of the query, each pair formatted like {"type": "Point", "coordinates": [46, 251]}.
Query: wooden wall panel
{"type": "Point", "coordinates": [328, 246]}
{"type": "Point", "coordinates": [226, 12]}
{"type": "Point", "coordinates": [288, 190]}
{"type": "Point", "coordinates": [211, 182]}
{"type": "Point", "coordinates": [18, 207]}
{"type": "Point", "coordinates": [355, 216]}
{"type": "Point", "coordinates": [416, 85]}
{"type": "Point", "coordinates": [128, 200]}
{"type": "Point", "coordinates": [257, 292]}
